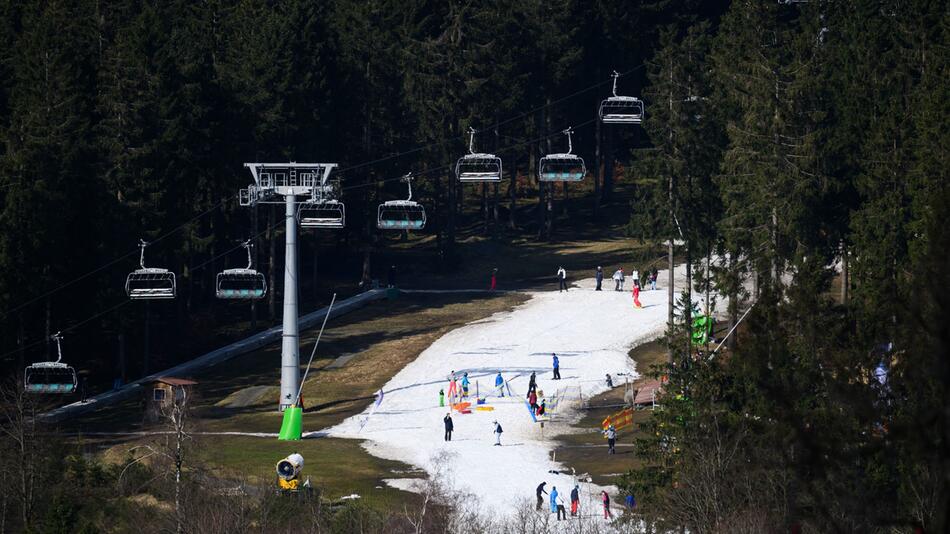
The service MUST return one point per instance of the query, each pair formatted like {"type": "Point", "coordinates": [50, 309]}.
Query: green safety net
{"type": "Point", "coordinates": [702, 328]}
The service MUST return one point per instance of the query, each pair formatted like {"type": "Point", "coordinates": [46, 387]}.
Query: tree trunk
{"type": "Point", "coordinates": [512, 197]}
{"type": "Point", "coordinates": [845, 275]}
{"type": "Point", "coordinates": [671, 294]}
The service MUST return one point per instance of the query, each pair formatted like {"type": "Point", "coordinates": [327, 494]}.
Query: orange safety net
{"type": "Point", "coordinates": [620, 419]}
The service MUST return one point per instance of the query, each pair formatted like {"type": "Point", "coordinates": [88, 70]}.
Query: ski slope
{"type": "Point", "coordinates": [591, 332]}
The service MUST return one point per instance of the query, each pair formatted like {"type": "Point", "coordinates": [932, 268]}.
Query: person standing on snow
{"type": "Point", "coordinates": [557, 367]}
{"type": "Point", "coordinates": [441, 398]}
{"type": "Point", "coordinates": [653, 274]}
{"type": "Point", "coordinates": [623, 278]}
{"type": "Point", "coordinates": [540, 491]}
{"type": "Point", "coordinates": [618, 276]}
{"type": "Point", "coordinates": [611, 434]}
{"type": "Point", "coordinates": [447, 420]}
{"type": "Point", "coordinates": [606, 499]}
{"type": "Point", "coordinates": [636, 277]}
{"type": "Point", "coordinates": [498, 432]}
{"type": "Point", "coordinates": [636, 295]}
{"type": "Point", "coordinates": [500, 384]}
{"type": "Point", "coordinates": [533, 401]}
{"type": "Point", "coordinates": [541, 408]}
{"type": "Point", "coordinates": [561, 513]}
{"type": "Point", "coordinates": [575, 500]}
{"type": "Point", "coordinates": [553, 499]}
{"type": "Point", "coordinates": [599, 277]}
{"type": "Point", "coordinates": [561, 279]}
{"type": "Point", "coordinates": [465, 384]}
{"type": "Point", "coordinates": [532, 382]}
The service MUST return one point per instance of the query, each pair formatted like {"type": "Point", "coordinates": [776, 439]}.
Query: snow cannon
{"type": "Point", "coordinates": [288, 472]}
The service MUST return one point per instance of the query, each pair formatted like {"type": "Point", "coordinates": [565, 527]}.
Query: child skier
{"type": "Point", "coordinates": [497, 432]}
{"type": "Point", "coordinates": [553, 499]}
{"type": "Point", "coordinates": [636, 295]}
{"type": "Point", "coordinates": [611, 435]}
{"type": "Point", "coordinates": [500, 384]}
{"type": "Point", "coordinates": [541, 408]}
{"type": "Point", "coordinates": [606, 499]}
{"type": "Point", "coordinates": [618, 279]}
{"type": "Point", "coordinates": [441, 398]}
{"type": "Point", "coordinates": [465, 384]}
{"type": "Point", "coordinates": [533, 401]}
{"type": "Point", "coordinates": [575, 500]}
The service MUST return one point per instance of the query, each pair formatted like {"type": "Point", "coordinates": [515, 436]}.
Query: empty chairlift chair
{"type": "Point", "coordinates": [50, 377]}
{"type": "Point", "coordinates": [246, 283]}
{"type": "Point", "coordinates": [476, 167]}
{"type": "Point", "coordinates": [565, 167]}
{"type": "Point", "coordinates": [320, 213]}
{"type": "Point", "coordinates": [149, 282]}
{"type": "Point", "coordinates": [401, 214]}
{"type": "Point", "coordinates": [621, 109]}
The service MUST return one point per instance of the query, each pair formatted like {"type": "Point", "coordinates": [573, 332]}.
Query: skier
{"type": "Point", "coordinates": [540, 491]}
{"type": "Point", "coordinates": [532, 382]}
{"type": "Point", "coordinates": [561, 279]}
{"type": "Point", "coordinates": [636, 295]}
{"type": "Point", "coordinates": [599, 277]}
{"type": "Point", "coordinates": [498, 432]}
{"type": "Point", "coordinates": [561, 513]}
{"type": "Point", "coordinates": [441, 398]}
{"type": "Point", "coordinates": [636, 277]}
{"type": "Point", "coordinates": [557, 367]}
{"type": "Point", "coordinates": [618, 279]}
{"type": "Point", "coordinates": [610, 382]}
{"type": "Point", "coordinates": [606, 499]}
{"type": "Point", "coordinates": [391, 276]}
{"type": "Point", "coordinates": [447, 420]}
{"type": "Point", "coordinates": [494, 279]}
{"type": "Point", "coordinates": [553, 499]}
{"type": "Point", "coordinates": [541, 408]}
{"type": "Point", "coordinates": [575, 500]}
{"type": "Point", "coordinates": [611, 434]}
{"type": "Point", "coordinates": [465, 384]}
{"type": "Point", "coordinates": [533, 401]}
{"type": "Point", "coordinates": [500, 384]}
{"type": "Point", "coordinates": [653, 274]}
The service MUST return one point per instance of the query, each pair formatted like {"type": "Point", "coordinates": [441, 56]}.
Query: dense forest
{"type": "Point", "coordinates": [797, 150]}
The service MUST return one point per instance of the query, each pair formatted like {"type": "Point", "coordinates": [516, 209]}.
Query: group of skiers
{"type": "Point", "coordinates": [619, 277]}
{"type": "Point", "coordinates": [557, 502]}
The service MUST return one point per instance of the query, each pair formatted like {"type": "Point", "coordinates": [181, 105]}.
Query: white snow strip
{"type": "Point", "coordinates": [591, 331]}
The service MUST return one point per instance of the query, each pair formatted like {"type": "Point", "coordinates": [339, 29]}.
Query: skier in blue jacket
{"type": "Point", "coordinates": [553, 499]}
{"type": "Point", "coordinates": [465, 384]}
{"type": "Point", "coordinates": [557, 368]}
{"type": "Point", "coordinates": [500, 385]}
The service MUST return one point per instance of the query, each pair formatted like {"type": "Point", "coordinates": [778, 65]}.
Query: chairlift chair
{"type": "Point", "coordinates": [565, 167]}
{"type": "Point", "coordinates": [321, 213]}
{"type": "Point", "coordinates": [50, 377]}
{"type": "Point", "coordinates": [401, 214]}
{"type": "Point", "coordinates": [621, 109]}
{"type": "Point", "coordinates": [247, 283]}
{"type": "Point", "coordinates": [149, 282]}
{"type": "Point", "coordinates": [477, 167]}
